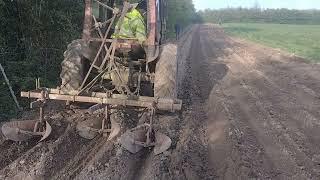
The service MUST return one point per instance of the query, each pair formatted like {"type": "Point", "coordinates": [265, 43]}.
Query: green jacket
{"type": "Point", "coordinates": [132, 27]}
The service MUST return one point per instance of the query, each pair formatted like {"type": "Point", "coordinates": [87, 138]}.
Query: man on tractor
{"type": "Point", "coordinates": [133, 26]}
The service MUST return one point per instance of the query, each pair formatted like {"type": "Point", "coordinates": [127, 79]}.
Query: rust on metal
{"type": "Point", "coordinates": [87, 20]}
{"type": "Point", "coordinates": [152, 22]}
{"type": "Point", "coordinates": [24, 130]}
{"type": "Point", "coordinates": [143, 136]}
{"type": "Point", "coordinates": [91, 128]}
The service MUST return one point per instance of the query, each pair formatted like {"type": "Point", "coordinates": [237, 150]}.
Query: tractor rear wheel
{"type": "Point", "coordinates": [166, 72]}
{"type": "Point", "coordinates": [72, 71]}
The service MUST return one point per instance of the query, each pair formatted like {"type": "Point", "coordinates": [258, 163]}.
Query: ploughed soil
{"type": "Point", "coordinates": [250, 112]}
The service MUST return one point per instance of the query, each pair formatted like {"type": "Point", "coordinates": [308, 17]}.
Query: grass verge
{"type": "Point", "coordinates": [302, 40]}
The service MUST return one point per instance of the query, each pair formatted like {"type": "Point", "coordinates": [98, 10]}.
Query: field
{"type": "Point", "coordinates": [302, 40]}
{"type": "Point", "coordinates": [249, 112]}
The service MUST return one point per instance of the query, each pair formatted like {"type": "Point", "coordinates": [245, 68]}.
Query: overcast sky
{"type": "Point", "coordinates": [290, 4]}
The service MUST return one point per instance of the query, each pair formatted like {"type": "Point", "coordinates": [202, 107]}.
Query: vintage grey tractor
{"type": "Point", "coordinates": [112, 73]}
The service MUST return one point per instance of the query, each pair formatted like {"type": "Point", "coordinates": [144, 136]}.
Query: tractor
{"type": "Point", "coordinates": [112, 73]}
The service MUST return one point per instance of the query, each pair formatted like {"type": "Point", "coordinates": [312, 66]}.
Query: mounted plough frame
{"type": "Point", "coordinates": [134, 140]}
{"type": "Point", "coordinates": [105, 99]}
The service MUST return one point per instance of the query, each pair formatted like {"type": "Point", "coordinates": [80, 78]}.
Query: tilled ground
{"type": "Point", "coordinates": [250, 112]}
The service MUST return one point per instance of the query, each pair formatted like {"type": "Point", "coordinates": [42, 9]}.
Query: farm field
{"type": "Point", "coordinates": [249, 112]}
{"type": "Point", "coordinates": [302, 40]}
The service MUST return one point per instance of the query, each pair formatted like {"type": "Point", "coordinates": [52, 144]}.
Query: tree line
{"type": "Point", "coordinates": [33, 36]}
{"type": "Point", "coordinates": [257, 15]}
{"type": "Point", "coordinates": [181, 12]}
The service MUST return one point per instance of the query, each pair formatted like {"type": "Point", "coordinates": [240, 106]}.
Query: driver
{"type": "Point", "coordinates": [133, 26]}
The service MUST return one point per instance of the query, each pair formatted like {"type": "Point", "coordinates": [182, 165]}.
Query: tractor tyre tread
{"type": "Point", "coordinates": [72, 66]}
{"type": "Point", "coordinates": [166, 72]}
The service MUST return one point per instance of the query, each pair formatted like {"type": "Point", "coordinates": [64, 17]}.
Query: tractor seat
{"type": "Point", "coordinates": [130, 47]}
{"type": "Point", "coordinates": [127, 44]}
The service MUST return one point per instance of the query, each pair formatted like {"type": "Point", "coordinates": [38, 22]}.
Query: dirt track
{"type": "Point", "coordinates": [249, 112]}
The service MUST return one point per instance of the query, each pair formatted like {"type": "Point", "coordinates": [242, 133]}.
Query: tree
{"type": "Point", "coordinates": [283, 16]}
{"type": "Point", "coordinates": [257, 6]}
{"type": "Point", "coordinates": [182, 12]}
{"type": "Point", "coordinates": [33, 36]}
